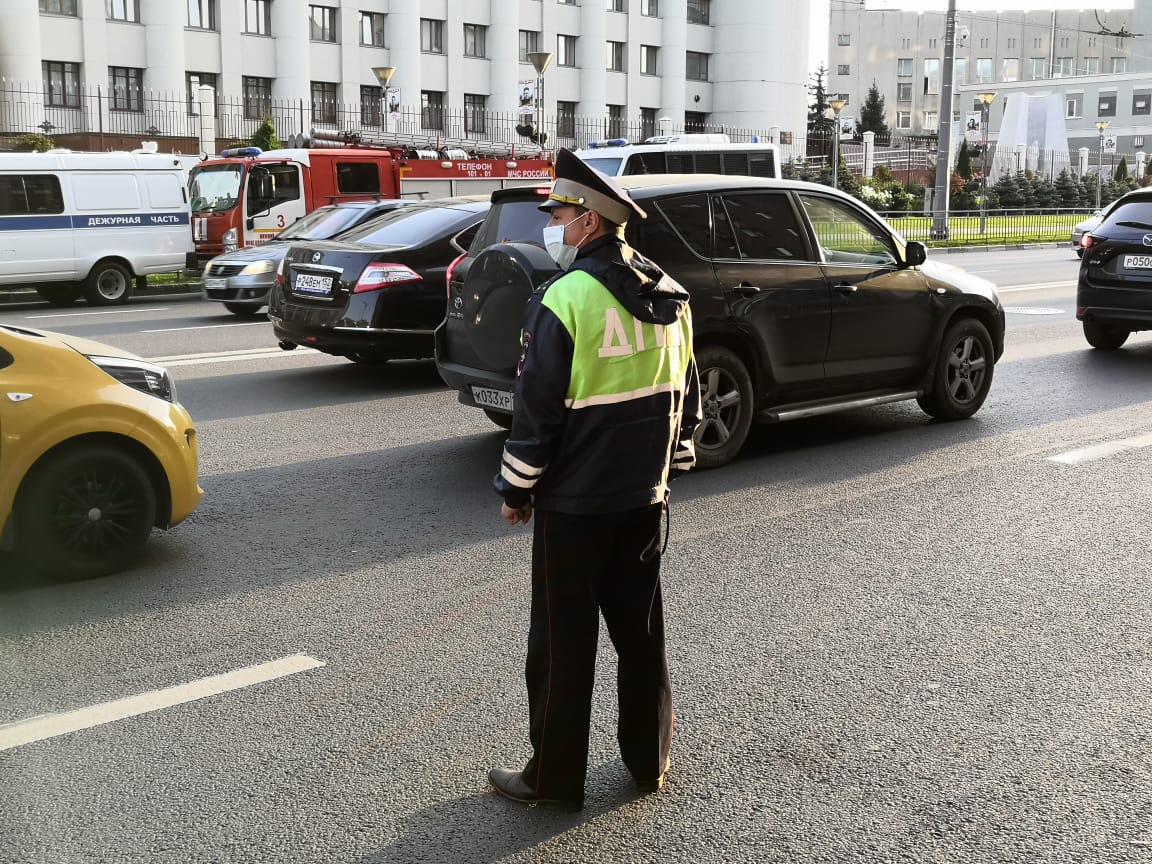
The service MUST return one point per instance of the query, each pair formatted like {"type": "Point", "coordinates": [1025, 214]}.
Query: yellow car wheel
{"type": "Point", "coordinates": [85, 512]}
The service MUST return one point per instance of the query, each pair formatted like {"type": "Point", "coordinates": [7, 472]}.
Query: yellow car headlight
{"type": "Point", "coordinates": [139, 375]}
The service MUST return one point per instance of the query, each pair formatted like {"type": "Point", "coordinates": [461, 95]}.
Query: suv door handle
{"type": "Point", "coordinates": [747, 289]}
{"type": "Point", "coordinates": [845, 289]}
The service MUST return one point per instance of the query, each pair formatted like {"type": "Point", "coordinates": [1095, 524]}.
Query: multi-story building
{"type": "Point", "coordinates": [630, 63]}
{"type": "Point", "coordinates": [903, 53]}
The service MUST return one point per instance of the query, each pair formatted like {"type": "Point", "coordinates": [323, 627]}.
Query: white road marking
{"type": "Point", "coordinates": [108, 312]}
{"type": "Point", "coordinates": [52, 725]}
{"type": "Point", "coordinates": [1038, 286]}
{"type": "Point", "coordinates": [208, 327]}
{"type": "Point", "coordinates": [240, 353]}
{"type": "Point", "coordinates": [264, 355]}
{"type": "Point", "coordinates": [1100, 451]}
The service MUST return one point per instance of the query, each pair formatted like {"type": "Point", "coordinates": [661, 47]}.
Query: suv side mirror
{"type": "Point", "coordinates": [915, 254]}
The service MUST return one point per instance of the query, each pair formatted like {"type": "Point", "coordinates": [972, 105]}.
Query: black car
{"type": "Point", "coordinates": [378, 292]}
{"type": "Point", "coordinates": [1114, 293]}
{"type": "Point", "coordinates": [804, 302]}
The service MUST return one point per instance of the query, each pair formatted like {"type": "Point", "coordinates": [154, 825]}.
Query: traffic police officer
{"type": "Point", "coordinates": [606, 401]}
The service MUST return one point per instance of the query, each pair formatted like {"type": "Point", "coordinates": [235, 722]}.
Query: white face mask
{"type": "Point", "coordinates": [562, 253]}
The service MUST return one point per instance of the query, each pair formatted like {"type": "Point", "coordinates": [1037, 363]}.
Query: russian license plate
{"type": "Point", "coordinates": [486, 397]}
{"type": "Point", "coordinates": [1138, 262]}
{"type": "Point", "coordinates": [212, 284]}
{"type": "Point", "coordinates": [306, 283]}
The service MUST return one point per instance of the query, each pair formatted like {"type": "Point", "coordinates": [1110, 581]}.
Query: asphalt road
{"type": "Point", "coordinates": [892, 639]}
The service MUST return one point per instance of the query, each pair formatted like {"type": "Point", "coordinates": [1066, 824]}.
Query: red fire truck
{"type": "Point", "coordinates": [246, 196]}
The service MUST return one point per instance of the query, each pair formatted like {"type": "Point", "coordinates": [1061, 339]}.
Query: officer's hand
{"type": "Point", "coordinates": [513, 516]}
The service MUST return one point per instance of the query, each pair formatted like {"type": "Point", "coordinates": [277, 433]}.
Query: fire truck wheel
{"type": "Point", "coordinates": [109, 283]}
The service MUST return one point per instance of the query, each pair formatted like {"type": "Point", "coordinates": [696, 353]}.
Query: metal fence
{"type": "Point", "coordinates": [991, 227]}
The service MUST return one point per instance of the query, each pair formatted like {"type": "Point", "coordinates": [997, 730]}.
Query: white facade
{"type": "Point", "coordinates": [757, 64]}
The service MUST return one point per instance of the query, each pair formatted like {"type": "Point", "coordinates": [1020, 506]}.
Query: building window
{"type": "Point", "coordinates": [431, 36]}
{"type": "Point", "coordinates": [932, 76]}
{"type": "Point", "coordinates": [844, 39]}
{"type": "Point", "coordinates": [1106, 105]}
{"type": "Point", "coordinates": [126, 85]}
{"type": "Point", "coordinates": [1038, 68]}
{"type": "Point", "coordinates": [194, 81]}
{"type": "Point", "coordinates": [650, 8]}
{"type": "Point", "coordinates": [960, 70]}
{"type": "Point", "coordinates": [432, 109]}
{"type": "Point", "coordinates": [1011, 42]}
{"type": "Point", "coordinates": [1074, 105]}
{"type": "Point", "coordinates": [257, 97]}
{"type": "Point", "coordinates": [931, 120]}
{"type": "Point", "coordinates": [257, 17]}
{"type": "Point", "coordinates": [370, 98]}
{"type": "Point", "coordinates": [904, 92]}
{"type": "Point", "coordinates": [529, 44]}
{"type": "Point", "coordinates": [615, 127]}
{"type": "Point", "coordinates": [474, 38]}
{"type": "Point", "coordinates": [1119, 65]}
{"type": "Point", "coordinates": [475, 113]}
{"type": "Point", "coordinates": [323, 102]}
{"type": "Point", "coordinates": [1140, 103]}
{"type": "Point", "coordinates": [903, 119]}
{"type": "Point", "coordinates": [1062, 67]}
{"type": "Point", "coordinates": [647, 122]}
{"type": "Point", "coordinates": [1091, 65]}
{"type": "Point", "coordinates": [123, 10]}
{"type": "Point", "coordinates": [202, 14]}
{"type": "Point", "coordinates": [61, 84]}
{"type": "Point", "coordinates": [372, 29]}
{"type": "Point", "coordinates": [843, 97]}
{"type": "Point", "coordinates": [566, 119]}
{"type": "Point", "coordinates": [843, 69]}
{"type": "Point", "coordinates": [1038, 42]}
{"type": "Point", "coordinates": [695, 121]}
{"type": "Point", "coordinates": [322, 24]}
{"type": "Point", "coordinates": [1010, 69]}
{"type": "Point", "coordinates": [983, 70]}
{"type": "Point", "coordinates": [615, 57]}
{"type": "Point", "coordinates": [59, 7]}
{"type": "Point", "coordinates": [906, 44]}
{"type": "Point", "coordinates": [696, 66]}
{"type": "Point", "coordinates": [648, 57]}
{"type": "Point", "coordinates": [698, 11]}
{"type": "Point", "coordinates": [904, 67]}
{"type": "Point", "coordinates": [616, 5]}
{"type": "Point", "coordinates": [565, 50]}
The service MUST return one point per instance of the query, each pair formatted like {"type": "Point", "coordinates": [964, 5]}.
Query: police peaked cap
{"type": "Point", "coordinates": [579, 184]}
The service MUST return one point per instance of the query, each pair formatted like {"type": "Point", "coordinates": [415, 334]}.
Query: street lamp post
{"type": "Point", "coordinates": [384, 76]}
{"type": "Point", "coordinates": [540, 61]}
{"type": "Point", "coordinates": [837, 105]}
{"type": "Point", "coordinates": [985, 111]}
{"type": "Point", "coordinates": [1101, 125]}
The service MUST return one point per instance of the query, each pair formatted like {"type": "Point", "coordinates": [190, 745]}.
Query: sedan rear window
{"type": "Point", "coordinates": [408, 226]}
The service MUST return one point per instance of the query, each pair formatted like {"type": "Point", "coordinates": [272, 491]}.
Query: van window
{"type": "Point", "coordinates": [765, 227]}
{"type": "Point", "coordinates": [23, 194]}
{"type": "Point", "coordinates": [164, 190]}
{"type": "Point", "coordinates": [646, 163]}
{"type": "Point", "coordinates": [358, 178]}
{"type": "Point", "coordinates": [609, 166]}
{"type": "Point", "coordinates": [100, 193]}
{"type": "Point", "coordinates": [709, 163]}
{"type": "Point", "coordinates": [761, 164]}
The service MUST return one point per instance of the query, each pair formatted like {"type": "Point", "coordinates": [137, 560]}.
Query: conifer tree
{"type": "Point", "coordinates": [964, 162]}
{"type": "Point", "coordinates": [818, 120]}
{"type": "Point", "coordinates": [872, 114]}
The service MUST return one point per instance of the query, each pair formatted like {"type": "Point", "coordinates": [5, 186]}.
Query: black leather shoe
{"type": "Point", "coordinates": [513, 786]}
{"type": "Point", "coordinates": [647, 787]}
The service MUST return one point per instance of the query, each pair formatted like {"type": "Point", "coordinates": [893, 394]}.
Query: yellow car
{"type": "Point", "coordinates": [94, 452]}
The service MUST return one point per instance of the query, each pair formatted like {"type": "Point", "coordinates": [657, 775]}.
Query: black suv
{"type": "Point", "coordinates": [1114, 293]}
{"type": "Point", "coordinates": [804, 302]}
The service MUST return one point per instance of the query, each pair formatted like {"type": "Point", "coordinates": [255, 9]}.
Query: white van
{"type": "Point", "coordinates": [91, 222]}
{"type": "Point", "coordinates": [691, 153]}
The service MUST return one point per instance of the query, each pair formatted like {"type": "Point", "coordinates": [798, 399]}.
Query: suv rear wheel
{"type": "Point", "coordinates": [1106, 337]}
{"type": "Point", "coordinates": [963, 372]}
{"type": "Point", "coordinates": [726, 400]}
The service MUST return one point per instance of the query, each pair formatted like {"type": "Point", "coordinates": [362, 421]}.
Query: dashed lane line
{"type": "Point", "coordinates": [1036, 286]}
{"type": "Point", "coordinates": [208, 327]}
{"type": "Point", "coordinates": [129, 311]}
{"type": "Point", "coordinates": [53, 725]}
{"type": "Point", "coordinates": [1101, 451]}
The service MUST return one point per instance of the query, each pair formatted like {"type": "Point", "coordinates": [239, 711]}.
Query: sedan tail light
{"type": "Point", "coordinates": [280, 272]}
{"type": "Point", "coordinates": [451, 268]}
{"type": "Point", "coordinates": [377, 276]}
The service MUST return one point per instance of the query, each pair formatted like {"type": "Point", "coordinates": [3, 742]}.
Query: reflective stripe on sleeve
{"type": "Point", "coordinates": [510, 475]}
{"type": "Point", "coordinates": [521, 466]}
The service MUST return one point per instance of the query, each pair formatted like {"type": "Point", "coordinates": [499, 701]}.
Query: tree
{"type": "Point", "coordinates": [1067, 190]}
{"type": "Point", "coordinates": [265, 136]}
{"type": "Point", "coordinates": [872, 114]}
{"type": "Point", "coordinates": [1121, 172]}
{"type": "Point", "coordinates": [964, 162]}
{"type": "Point", "coordinates": [819, 122]}
{"type": "Point", "coordinates": [33, 143]}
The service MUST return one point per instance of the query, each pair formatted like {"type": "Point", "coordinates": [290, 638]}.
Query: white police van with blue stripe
{"type": "Point", "coordinates": [91, 223]}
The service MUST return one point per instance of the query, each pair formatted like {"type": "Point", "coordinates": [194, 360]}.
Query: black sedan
{"type": "Point", "coordinates": [1114, 293]}
{"type": "Point", "coordinates": [377, 293]}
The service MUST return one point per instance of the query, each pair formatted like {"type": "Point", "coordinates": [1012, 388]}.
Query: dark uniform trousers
{"type": "Point", "coordinates": [584, 565]}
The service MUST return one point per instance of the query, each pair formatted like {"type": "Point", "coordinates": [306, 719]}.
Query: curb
{"type": "Point", "coordinates": [20, 296]}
